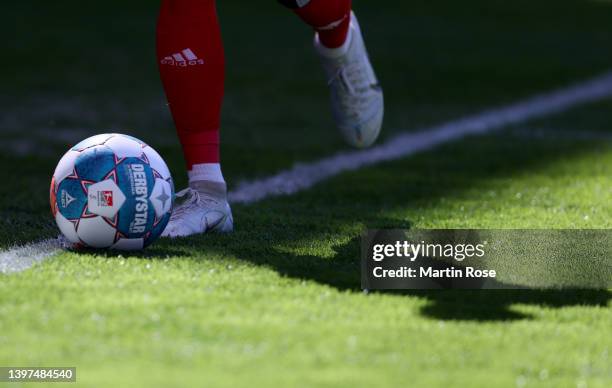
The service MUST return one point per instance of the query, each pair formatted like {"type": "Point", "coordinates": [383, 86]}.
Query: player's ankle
{"type": "Point", "coordinates": [334, 52]}
{"type": "Point", "coordinates": [216, 190]}
{"type": "Point", "coordinates": [206, 172]}
{"type": "Point", "coordinates": [207, 179]}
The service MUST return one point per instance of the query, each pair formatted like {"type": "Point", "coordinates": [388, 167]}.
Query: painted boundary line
{"type": "Point", "coordinates": [305, 175]}
{"type": "Point", "coordinates": [20, 258]}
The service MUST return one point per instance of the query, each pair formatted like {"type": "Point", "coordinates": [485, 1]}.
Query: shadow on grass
{"type": "Point", "coordinates": [419, 181]}
{"type": "Point", "coordinates": [343, 273]}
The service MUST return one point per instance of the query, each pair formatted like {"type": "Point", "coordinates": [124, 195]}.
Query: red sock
{"type": "Point", "coordinates": [191, 65]}
{"type": "Point", "coordinates": [330, 18]}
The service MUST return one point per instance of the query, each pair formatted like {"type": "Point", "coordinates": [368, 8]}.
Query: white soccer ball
{"type": "Point", "coordinates": [112, 191]}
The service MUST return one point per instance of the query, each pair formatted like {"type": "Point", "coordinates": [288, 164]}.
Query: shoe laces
{"type": "Point", "coordinates": [342, 75]}
{"type": "Point", "coordinates": [189, 199]}
{"type": "Point", "coordinates": [185, 200]}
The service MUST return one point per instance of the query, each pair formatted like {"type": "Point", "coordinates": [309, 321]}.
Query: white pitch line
{"type": "Point", "coordinates": [23, 257]}
{"type": "Point", "coordinates": [305, 175]}
{"type": "Point", "coordinates": [561, 134]}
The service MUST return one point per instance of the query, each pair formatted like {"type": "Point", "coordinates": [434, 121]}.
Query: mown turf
{"type": "Point", "coordinates": [278, 302]}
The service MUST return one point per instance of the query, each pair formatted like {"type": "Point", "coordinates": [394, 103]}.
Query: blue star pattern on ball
{"type": "Point", "coordinates": [112, 191]}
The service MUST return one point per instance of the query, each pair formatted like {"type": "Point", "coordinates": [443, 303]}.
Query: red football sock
{"type": "Point", "coordinates": [192, 66]}
{"type": "Point", "coordinates": [330, 18]}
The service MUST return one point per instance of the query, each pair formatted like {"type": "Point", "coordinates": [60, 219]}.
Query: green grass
{"type": "Point", "coordinates": [278, 302]}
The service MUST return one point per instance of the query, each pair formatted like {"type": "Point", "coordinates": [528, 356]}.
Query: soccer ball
{"type": "Point", "coordinates": [112, 191]}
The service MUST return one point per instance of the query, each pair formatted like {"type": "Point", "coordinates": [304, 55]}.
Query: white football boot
{"type": "Point", "coordinates": [200, 208]}
{"type": "Point", "coordinates": [356, 96]}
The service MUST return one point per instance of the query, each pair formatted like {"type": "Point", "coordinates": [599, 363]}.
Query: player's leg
{"type": "Point", "coordinates": [191, 64]}
{"type": "Point", "coordinates": [356, 96]}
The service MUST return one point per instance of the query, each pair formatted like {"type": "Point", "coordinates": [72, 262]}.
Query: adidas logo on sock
{"type": "Point", "coordinates": [183, 59]}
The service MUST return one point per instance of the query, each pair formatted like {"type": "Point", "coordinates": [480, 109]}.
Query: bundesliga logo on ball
{"type": "Point", "coordinates": [112, 191]}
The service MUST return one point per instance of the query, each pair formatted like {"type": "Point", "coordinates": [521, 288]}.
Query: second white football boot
{"type": "Point", "coordinates": [356, 96]}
